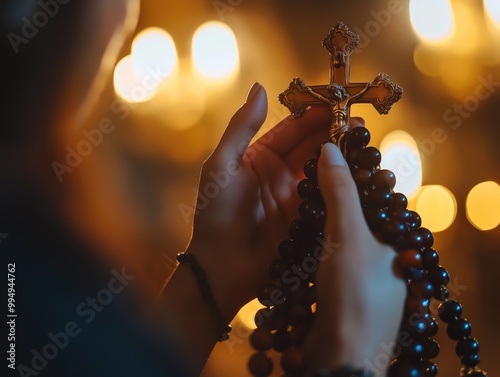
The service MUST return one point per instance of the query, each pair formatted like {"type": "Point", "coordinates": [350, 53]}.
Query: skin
{"type": "Point", "coordinates": [236, 236]}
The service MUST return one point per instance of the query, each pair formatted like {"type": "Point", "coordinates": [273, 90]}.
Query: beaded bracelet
{"type": "Point", "coordinates": [344, 371]}
{"type": "Point", "coordinates": [206, 292]}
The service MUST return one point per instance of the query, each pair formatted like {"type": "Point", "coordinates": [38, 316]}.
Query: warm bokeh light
{"type": "Point", "coordinates": [400, 154]}
{"type": "Point", "coordinates": [215, 51]}
{"type": "Point", "coordinates": [432, 20]}
{"type": "Point", "coordinates": [483, 205]}
{"type": "Point", "coordinates": [154, 53]}
{"type": "Point", "coordinates": [492, 9]}
{"type": "Point", "coordinates": [246, 315]}
{"type": "Point", "coordinates": [437, 206]}
{"type": "Point", "coordinates": [127, 85]}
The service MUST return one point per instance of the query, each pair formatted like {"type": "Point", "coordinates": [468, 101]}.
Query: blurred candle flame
{"type": "Point", "coordinates": [433, 20]}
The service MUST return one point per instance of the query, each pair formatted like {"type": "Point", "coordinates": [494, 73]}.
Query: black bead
{"type": "Point", "coordinates": [287, 249]}
{"type": "Point", "coordinates": [384, 179]}
{"type": "Point", "coordinates": [267, 292]}
{"type": "Point", "coordinates": [392, 229]}
{"type": "Point", "coordinates": [296, 229]}
{"type": "Point", "coordinates": [379, 197]}
{"type": "Point", "coordinates": [416, 221]}
{"type": "Point", "coordinates": [421, 288]}
{"type": "Point", "coordinates": [369, 158]}
{"type": "Point", "coordinates": [430, 369]}
{"type": "Point", "coordinates": [375, 217]}
{"type": "Point", "coordinates": [312, 210]}
{"type": "Point", "coordinates": [430, 258]}
{"type": "Point", "coordinates": [438, 276]}
{"type": "Point", "coordinates": [404, 368]}
{"type": "Point", "coordinates": [362, 177]}
{"type": "Point", "coordinates": [308, 189]}
{"type": "Point", "coordinates": [399, 200]}
{"type": "Point", "coordinates": [415, 239]}
{"type": "Point", "coordinates": [449, 311]}
{"type": "Point", "coordinates": [281, 340]}
{"type": "Point", "coordinates": [431, 348]}
{"type": "Point", "coordinates": [261, 339]}
{"type": "Point", "coordinates": [311, 170]}
{"type": "Point", "coordinates": [471, 360]}
{"type": "Point", "coordinates": [359, 137]}
{"type": "Point", "coordinates": [277, 268]}
{"type": "Point", "coordinates": [414, 350]}
{"type": "Point", "coordinates": [466, 347]}
{"type": "Point", "coordinates": [399, 213]}
{"type": "Point", "coordinates": [459, 329]}
{"type": "Point", "coordinates": [352, 156]}
{"type": "Point", "coordinates": [431, 328]}
{"type": "Point", "coordinates": [441, 293]}
{"type": "Point", "coordinates": [428, 238]}
{"type": "Point", "coordinates": [260, 364]}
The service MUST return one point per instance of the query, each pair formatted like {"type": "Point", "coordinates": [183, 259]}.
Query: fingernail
{"type": "Point", "coordinates": [332, 155]}
{"type": "Point", "coordinates": [253, 91]}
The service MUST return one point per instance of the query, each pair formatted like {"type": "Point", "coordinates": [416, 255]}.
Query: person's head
{"type": "Point", "coordinates": [55, 60]}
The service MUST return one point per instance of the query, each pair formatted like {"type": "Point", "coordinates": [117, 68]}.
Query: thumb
{"type": "Point", "coordinates": [244, 124]}
{"type": "Point", "coordinates": [344, 214]}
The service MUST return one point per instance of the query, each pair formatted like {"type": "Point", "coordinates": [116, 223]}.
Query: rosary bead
{"type": "Point", "coordinates": [296, 229]}
{"type": "Point", "coordinates": [416, 221]}
{"type": "Point", "coordinates": [362, 177]}
{"type": "Point", "coordinates": [427, 237]}
{"type": "Point", "coordinates": [292, 360]}
{"type": "Point", "coordinates": [298, 314]}
{"type": "Point", "coordinates": [399, 200]}
{"type": "Point", "coordinates": [409, 259]}
{"type": "Point", "coordinates": [415, 239]}
{"type": "Point", "coordinates": [399, 213]}
{"type": "Point", "coordinates": [415, 326]}
{"type": "Point", "coordinates": [287, 249]}
{"type": "Point", "coordinates": [414, 351]}
{"type": "Point", "coordinates": [311, 170]}
{"type": "Point", "coordinates": [359, 137]}
{"type": "Point", "coordinates": [467, 346]}
{"type": "Point", "coordinates": [267, 293]}
{"type": "Point", "coordinates": [431, 369]}
{"type": "Point", "coordinates": [352, 156]}
{"type": "Point", "coordinates": [404, 368]}
{"type": "Point", "coordinates": [430, 258]}
{"type": "Point", "coordinates": [471, 360]}
{"type": "Point", "coordinates": [311, 210]}
{"type": "Point", "coordinates": [375, 217]}
{"type": "Point", "coordinates": [261, 339]}
{"type": "Point", "coordinates": [384, 179]}
{"type": "Point", "coordinates": [308, 189]}
{"type": "Point", "coordinates": [449, 311]}
{"type": "Point", "coordinates": [431, 348]}
{"type": "Point", "coordinates": [459, 329]}
{"type": "Point", "coordinates": [438, 276]}
{"type": "Point", "coordinates": [281, 340]}
{"type": "Point", "coordinates": [369, 158]}
{"type": "Point", "coordinates": [260, 364]}
{"type": "Point", "coordinates": [421, 288]}
{"type": "Point", "coordinates": [441, 293]}
{"type": "Point", "coordinates": [416, 304]}
{"type": "Point", "coordinates": [379, 197]}
{"type": "Point", "coordinates": [277, 268]}
{"type": "Point", "coordinates": [392, 229]}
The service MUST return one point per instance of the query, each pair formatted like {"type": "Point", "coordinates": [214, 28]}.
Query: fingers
{"type": "Point", "coordinates": [244, 124]}
{"type": "Point", "coordinates": [339, 192]}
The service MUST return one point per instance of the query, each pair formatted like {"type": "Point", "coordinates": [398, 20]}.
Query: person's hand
{"type": "Point", "coordinates": [249, 197]}
{"type": "Point", "coordinates": [360, 293]}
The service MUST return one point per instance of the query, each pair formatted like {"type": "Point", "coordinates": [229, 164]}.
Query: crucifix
{"type": "Point", "coordinates": [340, 93]}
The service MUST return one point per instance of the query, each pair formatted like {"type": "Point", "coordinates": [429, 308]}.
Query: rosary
{"type": "Point", "coordinates": [284, 326]}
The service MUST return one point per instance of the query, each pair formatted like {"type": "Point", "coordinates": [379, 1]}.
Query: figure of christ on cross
{"type": "Point", "coordinates": [339, 101]}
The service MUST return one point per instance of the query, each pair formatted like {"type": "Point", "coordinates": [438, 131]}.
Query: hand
{"type": "Point", "coordinates": [360, 292]}
{"type": "Point", "coordinates": [253, 197]}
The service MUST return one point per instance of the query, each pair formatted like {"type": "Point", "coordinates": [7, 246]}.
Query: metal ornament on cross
{"type": "Point", "coordinates": [340, 93]}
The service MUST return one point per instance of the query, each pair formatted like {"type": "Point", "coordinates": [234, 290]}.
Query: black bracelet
{"type": "Point", "coordinates": [344, 371]}
{"type": "Point", "coordinates": [206, 292]}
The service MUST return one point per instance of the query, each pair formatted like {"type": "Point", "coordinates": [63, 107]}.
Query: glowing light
{"type": "Point", "coordinates": [400, 154]}
{"type": "Point", "coordinates": [492, 9]}
{"type": "Point", "coordinates": [128, 86]}
{"type": "Point", "coordinates": [432, 20]}
{"type": "Point", "coordinates": [437, 206]}
{"type": "Point", "coordinates": [215, 51]}
{"type": "Point", "coordinates": [483, 205]}
{"type": "Point", "coordinates": [246, 315]}
{"type": "Point", "coordinates": [154, 53]}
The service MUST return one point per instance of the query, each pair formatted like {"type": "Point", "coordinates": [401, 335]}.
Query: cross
{"type": "Point", "coordinates": [382, 93]}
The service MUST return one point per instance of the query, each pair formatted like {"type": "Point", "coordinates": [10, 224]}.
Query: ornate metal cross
{"type": "Point", "coordinates": [382, 93]}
